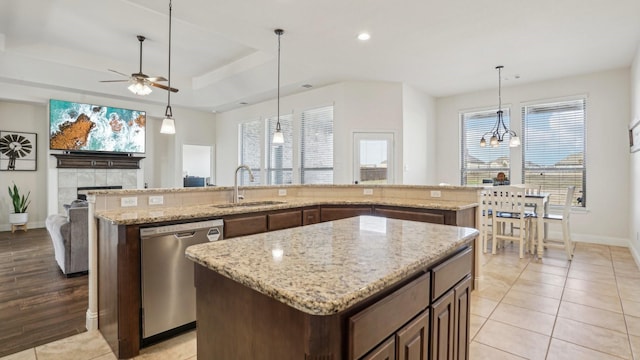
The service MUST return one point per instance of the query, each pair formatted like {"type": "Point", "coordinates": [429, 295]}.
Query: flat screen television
{"type": "Point", "coordinates": [78, 127]}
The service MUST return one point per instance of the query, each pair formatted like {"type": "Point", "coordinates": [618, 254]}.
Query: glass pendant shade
{"type": "Point", "coordinates": [514, 141]}
{"type": "Point", "coordinates": [278, 137]}
{"type": "Point", "coordinates": [168, 126]}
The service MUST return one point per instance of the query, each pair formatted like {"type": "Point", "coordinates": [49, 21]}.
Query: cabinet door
{"type": "Point", "coordinates": [442, 326]}
{"type": "Point", "coordinates": [408, 214]}
{"type": "Point", "coordinates": [310, 216]}
{"type": "Point", "coordinates": [462, 295]}
{"type": "Point", "coordinates": [284, 220]}
{"type": "Point", "coordinates": [385, 351]}
{"type": "Point", "coordinates": [412, 340]}
{"type": "Point", "coordinates": [245, 225]}
{"type": "Point", "coordinates": [328, 213]}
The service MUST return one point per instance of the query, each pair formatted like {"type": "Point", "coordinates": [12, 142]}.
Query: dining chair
{"type": "Point", "coordinates": [563, 220]}
{"type": "Point", "coordinates": [508, 207]}
{"type": "Point", "coordinates": [486, 221]}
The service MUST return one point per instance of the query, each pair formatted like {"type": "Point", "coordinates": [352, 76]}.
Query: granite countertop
{"type": "Point", "coordinates": [325, 268]}
{"type": "Point", "coordinates": [160, 214]}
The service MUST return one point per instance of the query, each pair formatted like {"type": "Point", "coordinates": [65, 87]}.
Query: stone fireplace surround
{"type": "Point", "coordinates": [69, 180]}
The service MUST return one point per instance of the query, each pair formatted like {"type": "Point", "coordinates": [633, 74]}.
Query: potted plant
{"type": "Point", "coordinates": [20, 205]}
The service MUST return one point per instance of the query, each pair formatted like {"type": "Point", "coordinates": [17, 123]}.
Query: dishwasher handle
{"type": "Point", "coordinates": [184, 235]}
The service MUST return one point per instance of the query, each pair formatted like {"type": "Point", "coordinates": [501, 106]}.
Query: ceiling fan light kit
{"type": "Point", "coordinates": [140, 83]}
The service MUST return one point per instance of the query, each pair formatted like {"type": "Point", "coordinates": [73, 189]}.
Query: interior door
{"type": "Point", "coordinates": [373, 158]}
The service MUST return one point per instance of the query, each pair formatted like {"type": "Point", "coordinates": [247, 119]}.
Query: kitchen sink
{"type": "Point", "coordinates": [249, 203]}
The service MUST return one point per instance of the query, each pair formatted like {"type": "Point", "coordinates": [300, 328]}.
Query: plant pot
{"type": "Point", "coordinates": [18, 218]}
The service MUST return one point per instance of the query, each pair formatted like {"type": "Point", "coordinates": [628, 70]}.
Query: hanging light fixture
{"type": "Point", "coordinates": [168, 124]}
{"type": "Point", "coordinates": [278, 137]}
{"type": "Point", "coordinates": [499, 130]}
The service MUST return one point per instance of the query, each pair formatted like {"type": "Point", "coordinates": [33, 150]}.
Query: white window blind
{"type": "Point", "coordinates": [280, 156]}
{"type": "Point", "coordinates": [251, 134]}
{"type": "Point", "coordinates": [317, 146]}
{"type": "Point", "coordinates": [482, 164]}
{"type": "Point", "coordinates": [554, 148]}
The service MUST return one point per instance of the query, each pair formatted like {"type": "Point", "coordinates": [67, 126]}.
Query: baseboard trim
{"type": "Point", "coordinates": [593, 239]}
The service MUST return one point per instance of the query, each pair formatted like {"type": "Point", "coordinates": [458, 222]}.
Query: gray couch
{"type": "Point", "coordinates": [70, 236]}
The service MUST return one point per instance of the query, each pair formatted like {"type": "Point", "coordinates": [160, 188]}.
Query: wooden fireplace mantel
{"type": "Point", "coordinates": [97, 161]}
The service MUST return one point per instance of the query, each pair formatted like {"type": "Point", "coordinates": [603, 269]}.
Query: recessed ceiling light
{"type": "Point", "coordinates": [364, 36]}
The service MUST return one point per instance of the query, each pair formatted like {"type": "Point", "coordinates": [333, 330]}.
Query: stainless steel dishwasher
{"type": "Point", "coordinates": [168, 291]}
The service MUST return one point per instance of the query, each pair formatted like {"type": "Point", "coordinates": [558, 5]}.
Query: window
{"type": "Point", "coordinates": [482, 164]}
{"type": "Point", "coordinates": [317, 146]}
{"type": "Point", "coordinates": [251, 134]}
{"type": "Point", "coordinates": [554, 148]}
{"type": "Point", "coordinates": [280, 156]}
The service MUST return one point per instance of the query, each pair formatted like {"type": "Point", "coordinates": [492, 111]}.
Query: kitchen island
{"type": "Point", "coordinates": [356, 288]}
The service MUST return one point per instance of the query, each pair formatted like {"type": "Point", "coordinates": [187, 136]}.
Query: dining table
{"type": "Point", "coordinates": [541, 202]}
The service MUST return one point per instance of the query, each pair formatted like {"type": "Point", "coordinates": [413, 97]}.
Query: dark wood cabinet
{"type": "Point", "coordinates": [442, 339]}
{"type": "Point", "coordinates": [450, 291]}
{"type": "Point", "coordinates": [241, 225]}
{"type": "Point", "coordinates": [462, 299]}
{"type": "Point", "coordinates": [310, 216]}
{"type": "Point", "coordinates": [284, 219]}
{"type": "Point", "coordinates": [412, 340]}
{"type": "Point", "coordinates": [330, 213]}
{"type": "Point", "coordinates": [465, 217]}
{"type": "Point", "coordinates": [385, 351]}
{"type": "Point", "coordinates": [97, 161]}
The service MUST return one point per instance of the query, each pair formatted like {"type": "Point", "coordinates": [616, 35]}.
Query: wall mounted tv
{"type": "Point", "coordinates": [77, 127]}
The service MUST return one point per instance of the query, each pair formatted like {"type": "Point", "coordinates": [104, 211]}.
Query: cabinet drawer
{"type": "Point", "coordinates": [410, 215]}
{"type": "Point", "coordinates": [450, 272]}
{"type": "Point", "coordinates": [246, 225]}
{"type": "Point", "coordinates": [371, 326]}
{"type": "Point", "coordinates": [284, 220]}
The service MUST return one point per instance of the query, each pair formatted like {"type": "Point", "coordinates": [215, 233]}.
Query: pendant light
{"type": "Point", "coordinates": [278, 137]}
{"type": "Point", "coordinates": [499, 130]}
{"type": "Point", "coordinates": [168, 124]}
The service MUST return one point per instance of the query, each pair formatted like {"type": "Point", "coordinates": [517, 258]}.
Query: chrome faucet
{"type": "Point", "coordinates": [236, 197]}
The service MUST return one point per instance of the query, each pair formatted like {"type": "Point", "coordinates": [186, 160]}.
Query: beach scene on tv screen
{"type": "Point", "coordinates": [86, 127]}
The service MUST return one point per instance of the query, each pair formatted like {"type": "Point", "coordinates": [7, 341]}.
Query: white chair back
{"type": "Point", "coordinates": [566, 211]}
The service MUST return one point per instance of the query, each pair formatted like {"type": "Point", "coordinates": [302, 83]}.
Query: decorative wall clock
{"type": "Point", "coordinates": [18, 151]}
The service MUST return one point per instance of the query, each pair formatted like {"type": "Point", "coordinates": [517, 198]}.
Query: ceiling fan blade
{"type": "Point", "coordinates": [114, 80]}
{"type": "Point", "coordinates": [163, 87]}
{"type": "Point", "coordinates": [118, 72]}
{"type": "Point", "coordinates": [157, 78]}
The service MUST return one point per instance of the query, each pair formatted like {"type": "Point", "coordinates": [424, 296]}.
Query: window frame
{"type": "Point", "coordinates": [557, 194]}
{"type": "Point", "coordinates": [482, 172]}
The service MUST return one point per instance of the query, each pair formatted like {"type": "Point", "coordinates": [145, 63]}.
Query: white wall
{"type": "Point", "coordinates": [607, 152]}
{"type": "Point", "coordinates": [358, 106]}
{"type": "Point", "coordinates": [634, 163]}
{"type": "Point", "coordinates": [419, 135]}
{"type": "Point", "coordinates": [32, 118]}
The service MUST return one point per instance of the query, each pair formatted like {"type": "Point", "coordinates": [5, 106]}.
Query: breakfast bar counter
{"type": "Point", "coordinates": [335, 290]}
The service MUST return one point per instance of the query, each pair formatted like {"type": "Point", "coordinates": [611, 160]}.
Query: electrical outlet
{"type": "Point", "coordinates": [367, 191]}
{"type": "Point", "coordinates": [129, 201]}
{"type": "Point", "coordinates": [282, 192]}
{"type": "Point", "coordinates": [156, 200]}
{"type": "Point", "coordinates": [435, 193]}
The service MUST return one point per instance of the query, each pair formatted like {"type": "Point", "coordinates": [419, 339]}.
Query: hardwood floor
{"type": "Point", "coordinates": [38, 304]}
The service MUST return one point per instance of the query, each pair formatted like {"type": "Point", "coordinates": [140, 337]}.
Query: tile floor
{"type": "Point", "coordinates": [588, 308]}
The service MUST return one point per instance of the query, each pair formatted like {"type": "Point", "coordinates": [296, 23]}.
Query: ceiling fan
{"type": "Point", "coordinates": [139, 81]}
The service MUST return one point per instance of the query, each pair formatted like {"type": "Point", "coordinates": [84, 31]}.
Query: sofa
{"type": "Point", "coordinates": [70, 236]}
